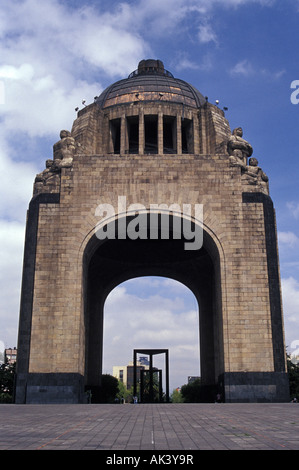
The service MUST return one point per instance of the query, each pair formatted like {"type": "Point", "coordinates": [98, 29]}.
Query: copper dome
{"type": "Point", "coordinates": [150, 82]}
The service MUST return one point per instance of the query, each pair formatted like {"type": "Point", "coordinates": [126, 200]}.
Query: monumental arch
{"type": "Point", "coordinates": [151, 139]}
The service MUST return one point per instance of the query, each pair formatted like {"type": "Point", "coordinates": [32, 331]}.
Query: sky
{"type": "Point", "coordinates": [54, 54]}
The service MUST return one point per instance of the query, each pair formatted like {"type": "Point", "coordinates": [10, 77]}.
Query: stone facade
{"type": "Point", "coordinates": [67, 277]}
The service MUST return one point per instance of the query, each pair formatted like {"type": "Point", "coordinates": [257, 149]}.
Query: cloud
{"type": "Point", "coordinates": [63, 37]}
{"type": "Point", "coordinates": [44, 68]}
{"type": "Point", "coordinates": [206, 34]}
{"type": "Point", "coordinates": [243, 67]}
{"type": "Point", "coordinates": [293, 208]}
{"type": "Point", "coordinates": [290, 294]}
{"type": "Point", "coordinates": [47, 58]}
{"type": "Point", "coordinates": [290, 290]}
{"type": "Point", "coordinates": [12, 236]}
{"type": "Point", "coordinates": [181, 62]}
{"type": "Point", "coordinates": [164, 18]}
{"type": "Point", "coordinates": [31, 105]}
{"type": "Point", "coordinates": [16, 184]}
{"type": "Point", "coordinates": [289, 239]}
{"type": "Point", "coordinates": [135, 321]}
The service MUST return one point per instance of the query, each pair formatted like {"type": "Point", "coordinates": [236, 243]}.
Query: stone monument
{"type": "Point", "coordinates": [151, 140]}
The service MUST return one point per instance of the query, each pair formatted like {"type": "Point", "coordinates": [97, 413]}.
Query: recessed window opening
{"type": "Point", "coordinates": [133, 133]}
{"type": "Point", "coordinates": [151, 134]}
{"type": "Point", "coordinates": [187, 136]}
{"type": "Point", "coordinates": [115, 134]}
{"type": "Point", "coordinates": [169, 134]}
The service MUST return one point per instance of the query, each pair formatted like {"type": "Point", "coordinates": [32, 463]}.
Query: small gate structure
{"type": "Point", "coordinates": [151, 353]}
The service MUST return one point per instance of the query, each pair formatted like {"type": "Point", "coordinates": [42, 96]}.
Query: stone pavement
{"type": "Point", "coordinates": [148, 427]}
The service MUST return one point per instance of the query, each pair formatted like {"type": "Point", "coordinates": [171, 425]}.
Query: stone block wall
{"type": "Point", "coordinates": [64, 229]}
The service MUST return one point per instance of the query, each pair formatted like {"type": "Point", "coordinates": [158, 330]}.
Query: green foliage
{"type": "Point", "coordinates": [293, 371]}
{"type": "Point", "coordinates": [176, 397]}
{"type": "Point", "coordinates": [123, 393]}
{"type": "Point", "coordinates": [191, 393]}
{"type": "Point", "coordinates": [109, 389]}
{"type": "Point", "coordinates": [195, 392]}
{"type": "Point", "coordinates": [7, 376]}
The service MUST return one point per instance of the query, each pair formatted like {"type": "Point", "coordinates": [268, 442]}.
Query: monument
{"type": "Point", "coordinates": [148, 151]}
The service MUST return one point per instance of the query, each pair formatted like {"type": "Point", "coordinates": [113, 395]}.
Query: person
{"type": "Point", "coordinates": [218, 398]}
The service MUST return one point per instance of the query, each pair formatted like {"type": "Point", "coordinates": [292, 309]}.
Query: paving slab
{"type": "Point", "coordinates": [181, 428]}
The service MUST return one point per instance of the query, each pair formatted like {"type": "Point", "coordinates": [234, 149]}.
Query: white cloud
{"type": "Point", "coordinates": [31, 106]}
{"type": "Point", "coordinates": [45, 50]}
{"type": "Point", "coordinates": [46, 47]}
{"type": "Point", "coordinates": [289, 239]}
{"type": "Point", "coordinates": [243, 67]}
{"type": "Point", "coordinates": [11, 254]}
{"type": "Point", "coordinates": [152, 321]}
{"type": "Point", "coordinates": [16, 185]}
{"type": "Point", "coordinates": [181, 61]}
{"type": "Point", "coordinates": [61, 38]}
{"type": "Point", "coordinates": [290, 290]}
{"type": "Point", "coordinates": [293, 208]}
{"type": "Point", "coordinates": [206, 33]}
{"type": "Point", "coordinates": [279, 74]}
{"type": "Point", "coordinates": [290, 294]}
{"type": "Point", "coordinates": [24, 72]}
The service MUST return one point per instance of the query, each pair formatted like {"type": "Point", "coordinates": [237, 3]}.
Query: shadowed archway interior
{"type": "Point", "coordinates": [109, 262]}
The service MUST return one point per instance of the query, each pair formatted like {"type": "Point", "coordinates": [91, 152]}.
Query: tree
{"type": "Point", "coordinates": [123, 393]}
{"type": "Point", "coordinates": [7, 376]}
{"type": "Point", "coordinates": [176, 396]}
{"type": "Point", "coordinates": [191, 392]}
{"type": "Point", "coordinates": [109, 389]}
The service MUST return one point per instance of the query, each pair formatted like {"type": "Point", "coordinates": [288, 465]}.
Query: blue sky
{"type": "Point", "coordinates": [53, 54]}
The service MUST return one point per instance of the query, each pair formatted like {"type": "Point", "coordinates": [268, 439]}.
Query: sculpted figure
{"type": "Point", "coordinates": [64, 151]}
{"type": "Point", "coordinates": [238, 148]}
{"type": "Point", "coordinates": [42, 177]}
{"type": "Point", "coordinates": [256, 176]}
{"type": "Point", "coordinates": [42, 180]}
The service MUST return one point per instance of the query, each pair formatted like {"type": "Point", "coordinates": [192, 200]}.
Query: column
{"type": "Point", "coordinates": [196, 136]}
{"type": "Point", "coordinates": [160, 133]}
{"type": "Point", "coordinates": [179, 133]}
{"type": "Point", "coordinates": [141, 132]}
{"type": "Point", "coordinates": [123, 136]}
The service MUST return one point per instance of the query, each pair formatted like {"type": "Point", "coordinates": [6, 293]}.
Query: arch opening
{"type": "Point", "coordinates": [151, 312]}
{"type": "Point", "coordinates": [109, 262]}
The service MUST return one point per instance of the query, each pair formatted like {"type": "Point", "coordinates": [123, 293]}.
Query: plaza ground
{"type": "Point", "coordinates": [149, 427]}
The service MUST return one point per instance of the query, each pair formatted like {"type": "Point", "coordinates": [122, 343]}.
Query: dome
{"type": "Point", "coordinates": [150, 82]}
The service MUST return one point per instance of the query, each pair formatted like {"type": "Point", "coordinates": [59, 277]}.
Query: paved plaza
{"type": "Point", "coordinates": [180, 427]}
